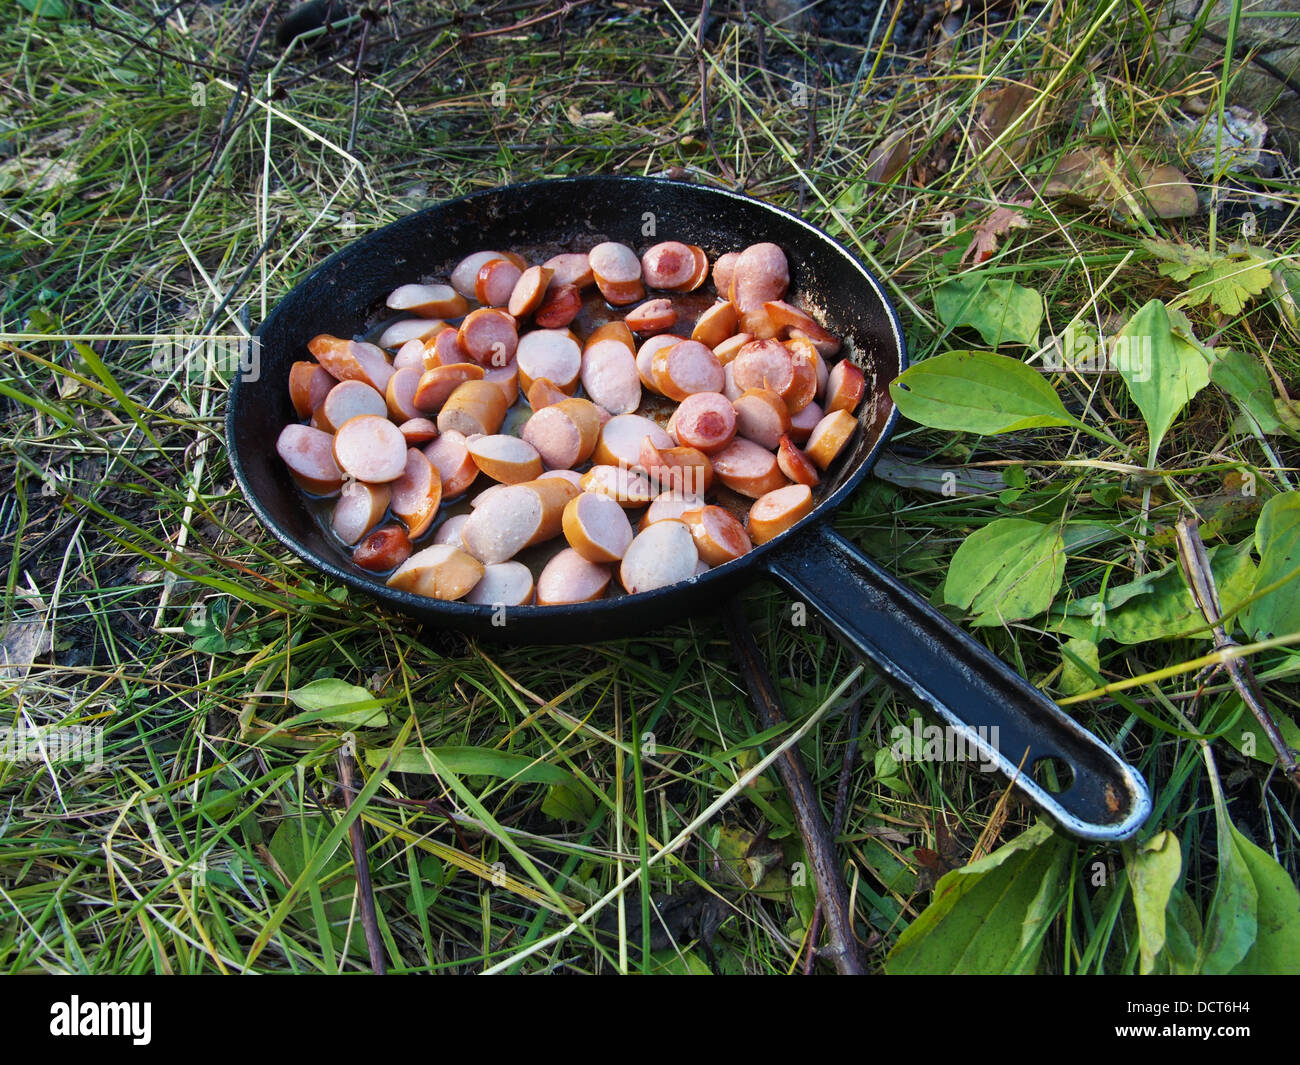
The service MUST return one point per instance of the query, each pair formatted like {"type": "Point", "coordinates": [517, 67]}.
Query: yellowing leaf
{"type": "Point", "coordinates": [1229, 280]}
{"type": "Point", "coordinates": [1152, 874]}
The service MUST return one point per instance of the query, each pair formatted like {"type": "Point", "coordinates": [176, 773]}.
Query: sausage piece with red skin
{"type": "Point", "coordinates": [560, 306]}
{"type": "Point", "coordinates": [428, 301]}
{"type": "Point", "coordinates": [761, 416]}
{"type": "Point", "coordinates": [778, 510]}
{"type": "Point", "coordinates": [762, 273]}
{"type": "Point", "coordinates": [347, 399]}
{"type": "Point", "coordinates": [495, 282]}
{"type": "Point", "coordinates": [309, 454]}
{"type": "Point", "coordinates": [687, 368]}
{"type": "Point", "coordinates": [745, 467]}
{"type": "Point", "coordinates": [715, 325]}
{"type": "Point", "coordinates": [358, 509]}
{"type": "Point", "coordinates": [718, 536]}
{"type": "Point", "coordinates": [370, 448]}
{"type": "Point", "coordinates": [570, 578]}
{"type": "Point", "coordinates": [787, 316]}
{"type": "Point", "coordinates": [618, 273]}
{"type": "Point", "coordinates": [440, 572]}
{"type": "Point", "coordinates": [663, 554]}
{"type": "Point", "coordinates": [844, 387]}
{"type": "Point", "coordinates": [417, 493]}
{"type": "Point", "coordinates": [451, 458]}
{"type": "Point", "coordinates": [309, 384]}
{"type": "Point", "coordinates": [803, 382]}
{"type": "Point", "coordinates": [795, 464]}
{"type": "Point", "coordinates": [653, 316]}
{"type": "Point", "coordinates": [383, 549]}
{"type": "Point", "coordinates": [564, 433]}
{"type": "Point", "coordinates": [829, 437]}
{"type": "Point", "coordinates": [646, 354]}
{"type": "Point", "coordinates": [435, 386]}
{"type": "Point", "coordinates": [596, 527]}
{"type": "Point", "coordinates": [446, 350]}
{"type": "Point", "coordinates": [489, 336]}
{"type": "Point", "coordinates": [464, 276]}
{"type": "Point", "coordinates": [706, 421]}
{"type": "Point", "coordinates": [414, 355]}
{"type": "Point", "coordinates": [352, 360]}
{"type": "Point", "coordinates": [474, 407]}
{"type": "Point", "coordinates": [610, 378]}
{"type": "Point", "coordinates": [669, 265]}
{"type": "Point", "coordinates": [506, 378]}
{"type": "Point", "coordinates": [571, 268]}
{"type": "Point", "coordinates": [399, 399]}
{"type": "Point", "coordinates": [529, 291]}
{"type": "Point", "coordinates": [503, 584]}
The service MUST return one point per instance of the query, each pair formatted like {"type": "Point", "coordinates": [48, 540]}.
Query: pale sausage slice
{"type": "Point", "coordinates": [466, 272]}
{"type": "Point", "coordinates": [596, 527]}
{"type": "Point", "coordinates": [776, 511]}
{"type": "Point", "coordinates": [516, 516]}
{"type": "Point", "coordinates": [844, 387]}
{"type": "Point", "coordinates": [646, 354]}
{"type": "Point", "coordinates": [348, 399]}
{"type": "Point", "coordinates": [687, 368]}
{"type": "Point", "coordinates": [722, 271]}
{"type": "Point", "coordinates": [549, 353]}
{"type": "Point", "coordinates": [415, 354]}
{"type": "Point", "coordinates": [309, 454]}
{"type": "Point", "coordinates": [763, 364]}
{"type": "Point", "coordinates": [706, 421]}
{"type": "Point", "coordinates": [669, 505]}
{"type": "Point", "coordinates": [449, 531]}
{"type": "Point", "coordinates": [663, 554]}
{"type": "Point", "coordinates": [564, 433]}
{"type": "Point", "coordinates": [505, 378]}
{"type": "Point", "coordinates": [440, 571]}
{"type": "Point", "coordinates": [731, 347]}
{"type": "Point", "coordinates": [795, 464]}
{"type": "Point", "coordinates": [503, 584]}
{"type": "Point", "coordinates": [570, 578]}
{"type": "Point", "coordinates": [613, 330]}
{"type": "Point", "coordinates": [628, 488]}
{"type": "Point", "coordinates": [761, 416]}
{"type": "Point", "coordinates": [309, 384]}
{"type": "Point", "coordinates": [474, 407]}
{"type": "Point", "coordinates": [829, 437]}
{"type": "Point", "coordinates": [560, 306]}
{"type": "Point", "coordinates": [417, 494]}
{"type": "Point", "coordinates": [418, 431]}
{"type": "Point", "coordinates": [446, 350]}
{"type": "Point", "coordinates": [352, 360]}
{"type": "Point", "coordinates": [435, 386]}
{"type": "Point", "coordinates": [383, 549]}
{"type": "Point", "coordinates": [451, 458]}
{"type": "Point", "coordinates": [573, 477]}
{"type": "Point", "coordinates": [653, 316]}
{"type": "Point", "coordinates": [496, 282]}
{"type": "Point", "coordinates": [760, 274]}
{"type": "Point", "coordinates": [715, 325]}
{"type": "Point", "coordinates": [745, 467]}
{"type": "Point", "coordinates": [804, 422]}
{"type": "Point", "coordinates": [399, 399]}
{"type": "Point", "coordinates": [621, 436]}
{"type": "Point", "coordinates": [676, 469]}
{"type": "Point", "coordinates": [718, 536]}
{"type": "Point", "coordinates": [428, 301]}
{"type": "Point", "coordinates": [400, 333]}
{"type": "Point", "coordinates": [529, 291]}
{"type": "Point", "coordinates": [360, 507]}
{"type": "Point", "coordinates": [489, 336]}
{"type": "Point", "coordinates": [610, 378]}
{"type": "Point", "coordinates": [617, 271]}
{"type": "Point", "coordinates": [571, 268]}
{"type": "Point", "coordinates": [670, 265]}
{"type": "Point", "coordinates": [370, 448]}
{"type": "Point", "coordinates": [505, 458]}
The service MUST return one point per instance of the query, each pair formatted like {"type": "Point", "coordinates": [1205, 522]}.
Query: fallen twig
{"type": "Point", "coordinates": [365, 891]}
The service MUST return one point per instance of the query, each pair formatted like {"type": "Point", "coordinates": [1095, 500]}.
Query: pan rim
{"type": "Point", "coordinates": [472, 613]}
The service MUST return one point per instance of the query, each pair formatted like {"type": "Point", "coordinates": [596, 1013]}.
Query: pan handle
{"type": "Point", "coordinates": [998, 714]}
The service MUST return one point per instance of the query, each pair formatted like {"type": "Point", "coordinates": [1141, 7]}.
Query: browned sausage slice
{"type": "Point", "coordinates": [505, 378]}
{"type": "Point", "coordinates": [435, 386]}
{"type": "Point", "coordinates": [718, 536]}
{"type": "Point", "coordinates": [359, 508]}
{"type": "Point", "coordinates": [829, 437]}
{"type": "Point", "coordinates": [795, 464]}
{"type": "Point", "coordinates": [715, 325]}
{"type": "Point", "coordinates": [529, 291]}
{"type": "Point", "coordinates": [543, 393]}
{"type": "Point", "coordinates": [653, 316]}
{"type": "Point", "coordinates": [417, 494]}
{"type": "Point", "coordinates": [503, 584]}
{"type": "Point", "coordinates": [516, 516]}
{"type": "Point", "coordinates": [428, 301]}
{"type": "Point", "coordinates": [408, 329]}
{"type": "Point", "coordinates": [787, 316]}
{"type": "Point", "coordinates": [803, 381]}
{"type": "Point", "coordinates": [352, 360]}
{"type": "Point", "coordinates": [763, 364]}
{"type": "Point", "coordinates": [466, 272]}
{"type": "Point", "coordinates": [418, 431]}
{"type": "Point", "coordinates": [612, 330]}
{"type": "Point", "coordinates": [451, 458]}
{"type": "Point", "coordinates": [496, 282]}
{"type": "Point", "coordinates": [505, 458]}
{"type": "Point", "coordinates": [731, 347]}
{"type": "Point", "coordinates": [663, 554]}
{"type": "Point", "coordinates": [722, 271]}
{"type": "Point", "coordinates": [669, 265]}
{"type": "Point", "coordinates": [610, 378]}
{"type": "Point", "coordinates": [706, 421]}
{"type": "Point", "coordinates": [646, 354]}
{"type": "Point", "coordinates": [571, 268]}
{"type": "Point", "coordinates": [760, 274]}
{"type": "Point", "coordinates": [489, 336]}
{"type": "Point", "coordinates": [549, 353]}
{"type": "Point", "coordinates": [440, 571]}
{"type": "Point", "coordinates": [676, 469]}
{"type": "Point", "coordinates": [370, 448]}
{"type": "Point", "coordinates": [596, 527]}
{"type": "Point", "coordinates": [570, 578]}
{"type": "Point", "coordinates": [745, 467]}
{"type": "Point", "coordinates": [415, 354]}
{"type": "Point", "coordinates": [309, 454]}
{"type": "Point", "coordinates": [383, 549]}
{"type": "Point", "coordinates": [560, 306]}
{"type": "Point", "coordinates": [804, 422]}
{"type": "Point", "coordinates": [446, 350]}
{"type": "Point", "coordinates": [400, 395]}
{"type": "Point", "coordinates": [564, 433]}
{"type": "Point", "coordinates": [309, 384]}
{"type": "Point", "coordinates": [474, 407]}
{"type": "Point", "coordinates": [617, 271]}
{"type": "Point", "coordinates": [776, 511]}
{"type": "Point", "coordinates": [844, 387]}
{"type": "Point", "coordinates": [761, 416]}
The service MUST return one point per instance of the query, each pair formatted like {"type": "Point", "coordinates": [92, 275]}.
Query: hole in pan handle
{"type": "Point", "coordinates": [923, 653]}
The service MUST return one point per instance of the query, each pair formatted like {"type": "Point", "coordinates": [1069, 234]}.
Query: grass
{"type": "Point", "coordinates": [152, 606]}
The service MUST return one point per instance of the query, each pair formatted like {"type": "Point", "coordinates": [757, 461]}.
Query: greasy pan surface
{"type": "Point", "coordinates": [346, 294]}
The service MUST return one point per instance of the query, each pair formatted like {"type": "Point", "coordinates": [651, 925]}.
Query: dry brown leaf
{"type": "Point", "coordinates": [1002, 107]}
{"type": "Point", "coordinates": [888, 158]}
{"type": "Point", "coordinates": [1125, 182]}
{"type": "Point", "coordinates": [1001, 220]}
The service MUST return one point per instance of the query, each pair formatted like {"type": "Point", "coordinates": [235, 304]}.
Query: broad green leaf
{"type": "Point", "coordinates": [1277, 537]}
{"type": "Point", "coordinates": [989, 916]}
{"type": "Point", "coordinates": [1075, 680]}
{"type": "Point", "coordinates": [1230, 279]}
{"type": "Point", "coordinates": [1008, 570]}
{"type": "Point", "coordinates": [57, 9]}
{"type": "Point", "coordinates": [568, 801]}
{"type": "Point", "coordinates": [338, 702]}
{"type": "Point", "coordinates": [1161, 606]}
{"type": "Point", "coordinates": [977, 392]}
{"type": "Point", "coordinates": [475, 762]}
{"type": "Point", "coordinates": [292, 846]}
{"type": "Point", "coordinates": [1247, 736]}
{"type": "Point", "coordinates": [1244, 378]}
{"type": "Point", "coordinates": [1182, 933]}
{"type": "Point", "coordinates": [1163, 370]}
{"type": "Point", "coordinates": [1152, 874]}
{"type": "Point", "coordinates": [1001, 311]}
{"type": "Point", "coordinates": [1277, 941]}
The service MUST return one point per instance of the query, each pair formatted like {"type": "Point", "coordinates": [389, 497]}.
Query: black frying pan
{"type": "Point", "coordinates": [917, 648]}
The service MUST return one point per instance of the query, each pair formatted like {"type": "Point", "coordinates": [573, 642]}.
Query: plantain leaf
{"type": "Point", "coordinates": [476, 762]}
{"type": "Point", "coordinates": [1152, 874]}
{"type": "Point", "coordinates": [1244, 379]}
{"type": "Point", "coordinates": [337, 702]}
{"type": "Point", "coordinates": [1008, 570]}
{"type": "Point", "coordinates": [1001, 311]}
{"type": "Point", "coordinates": [1277, 537]}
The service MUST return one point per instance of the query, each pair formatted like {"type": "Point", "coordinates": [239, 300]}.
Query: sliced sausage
{"type": "Point", "coordinates": [669, 265]}
{"type": "Point", "coordinates": [571, 268]}
{"type": "Point", "coordinates": [621, 436]}
{"type": "Point", "coordinates": [653, 316]}
{"type": "Point", "coordinates": [761, 416]}
{"type": "Point", "coordinates": [776, 511]}
{"type": "Point", "coordinates": [503, 584]}
{"type": "Point", "coordinates": [570, 578]}
{"type": "Point", "coordinates": [435, 386]}
{"type": "Point", "coordinates": [352, 360]}
{"type": "Point", "coordinates": [400, 333]}
{"type": "Point", "coordinates": [489, 336]}
{"type": "Point", "coordinates": [610, 378]}
{"type": "Point", "coordinates": [399, 398]}
{"type": "Point", "coordinates": [729, 388]}
{"type": "Point", "coordinates": [663, 554]}
{"type": "Point", "coordinates": [449, 531]}
{"type": "Point", "coordinates": [614, 330]}
{"type": "Point", "coordinates": [543, 393]}
{"type": "Point", "coordinates": [760, 274]}
{"type": "Point", "coordinates": [495, 282]}
{"type": "Point", "coordinates": [446, 350]}
{"type": "Point", "coordinates": [440, 572]}
{"type": "Point", "coordinates": [803, 381]}
{"type": "Point", "coordinates": [466, 272]}
{"type": "Point", "coordinates": [309, 454]}
{"type": "Point", "coordinates": [348, 399]}
{"type": "Point", "coordinates": [415, 354]}
{"type": "Point", "coordinates": [627, 487]}
{"type": "Point", "coordinates": [716, 325]}
{"type": "Point", "coordinates": [549, 353]}
{"type": "Point", "coordinates": [824, 347]}
{"type": "Point", "coordinates": [505, 458]}
{"type": "Point", "coordinates": [309, 384]}
{"type": "Point", "coordinates": [844, 387]}
{"type": "Point", "coordinates": [804, 422]}
{"type": "Point", "coordinates": [370, 448]}
{"type": "Point", "coordinates": [617, 271]}
{"type": "Point", "coordinates": [418, 431]}
{"type": "Point", "coordinates": [560, 306]}
{"type": "Point", "coordinates": [451, 458]}
{"type": "Point", "coordinates": [829, 436]}
{"type": "Point", "coordinates": [516, 516]}
{"type": "Point", "coordinates": [723, 268]}
{"type": "Point", "coordinates": [706, 421]}
{"type": "Point", "coordinates": [731, 347]}
{"type": "Point", "coordinates": [383, 549]}
{"type": "Point", "coordinates": [669, 505]}
{"type": "Point", "coordinates": [565, 433]}
{"type": "Point", "coordinates": [572, 476]}
{"type": "Point", "coordinates": [676, 469]}
{"type": "Point", "coordinates": [646, 354]}
{"type": "Point", "coordinates": [596, 527]}
{"type": "Point", "coordinates": [701, 273]}
{"type": "Point", "coordinates": [718, 536]}
{"type": "Point", "coordinates": [795, 464]}
{"type": "Point", "coordinates": [359, 508]}
{"type": "Point", "coordinates": [763, 364]}
{"type": "Point", "coordinates": [474, 407]}
{"type": "Point", "coordinates": [745, 467]}
{"type": "Point", "coordinates": [787, 316]}
{"type": "Point", "coordinates": [529, 291]}
{"type": "Point", "coordinates": [428, 301]}
{"type": "Point", "coordinates": [505, 378]}
{"type": "Point", "coordinates": [417, 494]}
{"type": "Point", "coordinates": [687, 368]}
